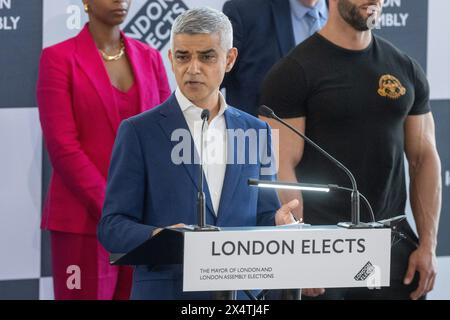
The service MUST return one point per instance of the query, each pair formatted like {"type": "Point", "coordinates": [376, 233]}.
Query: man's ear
{"type": "Point", "coordinates": [231, 58]}
{"type": "Point", "coordinates": [170, 56]}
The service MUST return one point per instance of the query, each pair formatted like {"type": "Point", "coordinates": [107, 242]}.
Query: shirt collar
{"type": "Point", "coordinates": [186, 104]}
{"type": "Point", "coordinates": [299, 10]}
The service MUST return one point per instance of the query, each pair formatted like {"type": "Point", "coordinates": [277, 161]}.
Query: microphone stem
{"type": "Point", "coordinates": [201, 194]}
{"type": "Point", "coordinates": [355, 207]}
{"type": "Point", "coordinates": [326, 154]}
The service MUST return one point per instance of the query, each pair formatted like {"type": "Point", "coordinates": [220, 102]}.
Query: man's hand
{"type": "Point", "coordinates": [284, 215]}
{"type": "Point", "coordinates": [158, 230]}
{"type": "Point", "coordinates": [313, 292]}
{"type": "Point", "coordinates": [423, 260]}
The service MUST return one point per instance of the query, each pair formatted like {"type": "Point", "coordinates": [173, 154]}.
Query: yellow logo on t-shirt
{"type": "Point", "coordinates": [390, 87]}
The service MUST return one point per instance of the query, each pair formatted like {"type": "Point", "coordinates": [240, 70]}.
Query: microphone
{"type": "Point", "coordinates": [355, 207]}
{"type": "Point", "coordinates": [205, 114]}
{"type": "Point", "coordinates": [201, 202]}
{"type": "Point", "coordinates": [201, 208]}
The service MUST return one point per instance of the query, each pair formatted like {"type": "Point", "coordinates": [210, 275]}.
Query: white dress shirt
{"type": "Point", "coordinates": [215, 146]}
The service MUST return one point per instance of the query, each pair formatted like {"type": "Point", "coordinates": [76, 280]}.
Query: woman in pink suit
{"type": "Point", "coordinates": [86, 86]}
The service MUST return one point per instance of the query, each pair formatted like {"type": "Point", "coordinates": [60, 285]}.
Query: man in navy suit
{"type": "Point", "coordinates": [264, 32]}
{"type": "Point", "coordinates": [152, 180]}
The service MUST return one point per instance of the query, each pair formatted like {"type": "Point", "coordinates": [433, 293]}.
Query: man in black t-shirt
{"type": "Point", "coordinates": [366, 103]}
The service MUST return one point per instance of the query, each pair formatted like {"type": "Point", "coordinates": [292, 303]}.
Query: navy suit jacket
{"type": "Point", "coordinates": [146, 190]}
{"type": "Point", "coordinates": [262, 33]}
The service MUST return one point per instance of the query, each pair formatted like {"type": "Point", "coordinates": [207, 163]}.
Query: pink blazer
{"type": "Point", "coordinates": [80, 119]}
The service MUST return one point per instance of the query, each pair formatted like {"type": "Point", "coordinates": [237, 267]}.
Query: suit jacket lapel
{"type": "Point", "coordinates": [233, 169]}
{"type": "Point", "coordinates": [173, 119]}
{"type": "Point", "coordinates": [283, 24]}
{"type": "Point", "coordinates": [91, 62]}
{"type": "Point", "coordinates": [139, 64]}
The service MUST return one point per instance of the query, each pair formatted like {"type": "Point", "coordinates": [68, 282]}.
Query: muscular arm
{"type": "Point", "coordinates": [425, 176]}
{"type": "Point", "coordinates": [425, 193]}
{"type": "Point", "coordinates": [290, 148]}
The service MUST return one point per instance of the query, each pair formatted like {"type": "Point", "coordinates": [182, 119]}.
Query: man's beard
{"type": "Point", "coordinates": [351, 14]}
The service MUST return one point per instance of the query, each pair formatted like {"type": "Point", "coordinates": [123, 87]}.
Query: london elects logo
{"type": "Point", "coordinates": [153, 22]}
{"type": "Point", "coordinates": [365, 272]}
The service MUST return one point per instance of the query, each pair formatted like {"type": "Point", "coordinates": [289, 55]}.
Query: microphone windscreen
{"type": "Point", "coordinates": [265, 111]}
{"type": "Point", "coordinates": [205, 114]}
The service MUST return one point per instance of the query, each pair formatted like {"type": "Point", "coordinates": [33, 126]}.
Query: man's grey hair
{"type": "Point", "coordinates": [204, 20]}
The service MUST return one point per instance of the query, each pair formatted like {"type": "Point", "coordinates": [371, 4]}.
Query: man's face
{"type": "Point", "coordinates": [357, 12]}
{"type": "Point", "coordinates": [199, 64]}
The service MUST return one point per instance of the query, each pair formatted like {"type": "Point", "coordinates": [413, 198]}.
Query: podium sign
{"type": "Point", "coordinates": [286, 257]}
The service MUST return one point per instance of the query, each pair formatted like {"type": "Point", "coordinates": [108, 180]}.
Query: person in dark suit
{"type": "Point", "coordinates": [151, 186]}
{"type": "Point", "coordinates": [86, 86]}
{"type": "Point", "coordinates": [264, 32]}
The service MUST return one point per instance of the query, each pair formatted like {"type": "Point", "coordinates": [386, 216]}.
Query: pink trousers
{"type": "Point", "coordinates": [81, 270]}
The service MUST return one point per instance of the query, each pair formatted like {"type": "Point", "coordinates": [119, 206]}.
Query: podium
{"type": "Point", "coordinates": [282, 257]}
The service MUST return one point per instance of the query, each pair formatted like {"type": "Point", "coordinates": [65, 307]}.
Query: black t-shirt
{"type": "Point", "coordinates": [355, 104]}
